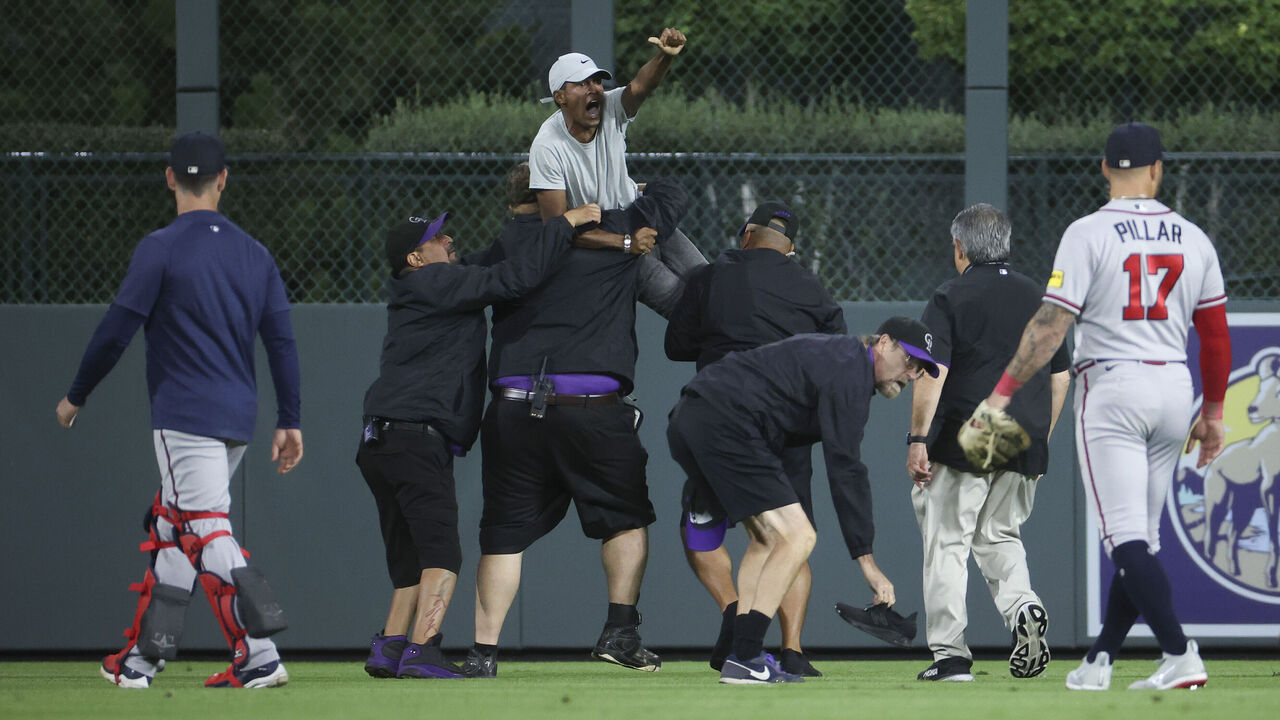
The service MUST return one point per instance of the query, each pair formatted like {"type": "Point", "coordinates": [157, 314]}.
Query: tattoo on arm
{"type": "Point", "coordinates": [1041, 339]}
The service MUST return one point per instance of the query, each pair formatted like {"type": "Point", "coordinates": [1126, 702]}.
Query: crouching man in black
{"type": "Point", "coordinates": [424, 409]}
{"type": "Point", "coordinates": [730, 429]}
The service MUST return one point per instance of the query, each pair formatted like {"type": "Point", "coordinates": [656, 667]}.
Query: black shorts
{"type": "Point", "coordinates": [732, 460]}
{"type": "Point", "coordinates": [411, 477]}
{"type": "Point", "coordinates": [703, 521]}
{"type": "Point", "coordinates": [533, 468]}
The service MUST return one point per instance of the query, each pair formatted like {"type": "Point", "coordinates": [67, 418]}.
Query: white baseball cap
{"type": "Point", "coordinates": [572, 67]}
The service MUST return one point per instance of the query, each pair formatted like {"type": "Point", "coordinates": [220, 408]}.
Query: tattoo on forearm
{"type": "Point", "coordinates": [1039, 341]}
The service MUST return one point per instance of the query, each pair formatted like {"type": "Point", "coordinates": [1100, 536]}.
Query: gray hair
{"type": "Point", "coordinates": [983, 232]}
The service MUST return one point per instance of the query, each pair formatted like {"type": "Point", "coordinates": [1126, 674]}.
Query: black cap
{"type": "Point", "coordinates": [914, 337]}
{"type": "Point", "coordinates": [408, 236]}
{"type": "Point", "coordinates": [1133, 145]}
{"type": "Point", "coordinates": [196, 153]}
{"type": "Point", "coordinates": [774, 211]}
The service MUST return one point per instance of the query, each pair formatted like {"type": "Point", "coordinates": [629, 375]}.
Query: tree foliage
{"type": "Point", "coordinates": [1151, 57]}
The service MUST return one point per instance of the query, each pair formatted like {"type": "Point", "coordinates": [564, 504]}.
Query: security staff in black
{"type": "Point", "coordinates": [423, 409]}
{"type": "Point", "coordinates": [976, 321]}
{"type": "Point", "coordinates": [747, 298]}
{"type": "Point", "coordinates": [732, 423]}
{"type": "Point", "coordinates": [557, 430]}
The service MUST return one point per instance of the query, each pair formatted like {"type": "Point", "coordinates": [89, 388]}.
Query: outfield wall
{"type": "Point", "coordinates": [71, 519]}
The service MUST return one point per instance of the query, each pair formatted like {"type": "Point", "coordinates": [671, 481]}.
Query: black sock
{"type": "Point", "coordinates": [486, 650]}
{"type": "Point", "coordinates": [1148, 588]}
{"type": "Point", "coordinates": [1119, 618]}
{"type": "Point", "coordinates": [622, 616]}
{"type": "Point", "coordinates": [748, 634]}
{"type": "Point", "coordinates": [728, 614]}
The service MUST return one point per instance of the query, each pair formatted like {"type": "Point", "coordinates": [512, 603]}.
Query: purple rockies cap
{"type": "Point", "coordinates": [702, 532]}
{"type": "Point", "coordinates": [408, 236]}
{"type": "Point", "coordinates": [914, 337]}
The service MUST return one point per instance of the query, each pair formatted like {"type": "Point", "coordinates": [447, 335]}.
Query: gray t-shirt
{"type": "Point", "coordinates": [587, 172]}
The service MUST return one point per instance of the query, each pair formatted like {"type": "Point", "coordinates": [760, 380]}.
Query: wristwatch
{"type": "Point", "coordinates": [911, 439]}
{"type": "Point", "coordinates": [626, 243]}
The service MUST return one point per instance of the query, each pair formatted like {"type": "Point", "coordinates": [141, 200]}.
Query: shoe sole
{"type": "Point", "coordinates": [1086, 688]}
{"type": "Point", "coordinates": [276, 679]}
{"type": "Point", "coordinates": [123, 682]}
{"type": "Point", "coordinates": [1030, 654]}
{"type": "Point", "coordinates": [1192, 683]}
{"type": "Point", "coordinates": [609, 658]}
{"type": "Point", "coordinates": [748, 681]}
{"type": "Point", "coordinates": [379, 672]}
{"type": "Point", "coordinates": [430, 672]}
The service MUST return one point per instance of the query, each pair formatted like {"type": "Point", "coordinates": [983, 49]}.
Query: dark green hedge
{"type": "Point", "coordinates": [710, 124]}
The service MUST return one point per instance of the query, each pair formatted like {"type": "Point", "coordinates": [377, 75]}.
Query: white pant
{"type": "Point", "coordinates": [195, 476]}
{"type": "Point", "coordinates": [959, 513]}
{"type": "Point", "coordinates": [1131, 421]}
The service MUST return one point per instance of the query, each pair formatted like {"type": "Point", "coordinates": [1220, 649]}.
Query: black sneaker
{"type": "Point", "coordinates": [1030, 654]}
{"type": "Point", "coordinates": [880, 621]}
{"type": "Point", "coordinates": [426, 661]}
{"type": "Point", "coordinates": [760, 670]}
{"type": "Point", "coordinates": [479, 665]}
{"type": "Point", "coordinates": [384, 655]}
{"type": "Point", "coordinates": [621, 645]}
{"type": "Point", "coordinates": [951, 669]}
{"type": "Point", "coordinates": [797, 664]}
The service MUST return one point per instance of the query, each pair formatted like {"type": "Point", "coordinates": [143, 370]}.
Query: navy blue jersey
{"type": "Point", "coordinates": [204, 289]}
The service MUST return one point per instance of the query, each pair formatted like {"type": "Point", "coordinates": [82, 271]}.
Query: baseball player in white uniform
{"type": "Point", "coordinates": [1133, 276]}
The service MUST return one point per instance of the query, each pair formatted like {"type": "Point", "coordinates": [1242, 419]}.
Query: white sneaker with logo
{"type": "Point", "coordinates": [1177, 671]}
{"type": "Point", "coordinates": [1094, 675]}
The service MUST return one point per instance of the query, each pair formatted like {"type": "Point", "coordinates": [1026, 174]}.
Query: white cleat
{"type": "Point", "coordinates": [1094, 675]}
{"type": "Point", "coordinates": [128, 678]}
{"type": "Point", "coordinates": [1177, 671]}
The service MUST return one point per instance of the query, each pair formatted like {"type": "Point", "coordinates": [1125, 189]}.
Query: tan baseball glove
{"type": "Point", "coordinates": [991, 437]}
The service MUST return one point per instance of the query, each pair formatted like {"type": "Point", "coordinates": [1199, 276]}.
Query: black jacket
{"type": "Point", "coordinates": [745, 299]}
{"type": "Point", "coordinates": [432, 367]}
{"type": "Point", "coordinates": [977, 321]}
{"type": "Point", "coordinates": [582, 319]}
{"type": "Point", "coordinates": [807, 388]}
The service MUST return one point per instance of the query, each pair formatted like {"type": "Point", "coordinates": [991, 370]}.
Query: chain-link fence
{"type": "Point", "coordinates": [342, 118]}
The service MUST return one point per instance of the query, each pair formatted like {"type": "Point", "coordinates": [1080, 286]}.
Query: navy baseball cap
{"type": "Point", "coordinates": [914, 337]}
{"type": "Point", "coordinates": [1133, 145]}
{"type": "Point", "coordinates": [195, 153]}
{"type": "Point", "coordinates": [774, 211]}
{"type": "Point", "coordinates": [409, 236]}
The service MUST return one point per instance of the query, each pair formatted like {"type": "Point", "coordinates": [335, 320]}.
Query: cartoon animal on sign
{"type": "Point", "coordinates": [1246, 476]}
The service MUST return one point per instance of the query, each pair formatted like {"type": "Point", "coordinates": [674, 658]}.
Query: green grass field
{"type": "Point", "coordinates": [877, 689]}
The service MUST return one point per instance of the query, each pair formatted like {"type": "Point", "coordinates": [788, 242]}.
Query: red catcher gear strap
{"type": "Point", "coordinates": [115, 660]}
{"type": "Point", "coordinates": [1215, 351]}
{"type": "Point", "coordinates": [222, 599]}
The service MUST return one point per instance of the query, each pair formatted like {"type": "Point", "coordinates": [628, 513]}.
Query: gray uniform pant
{"type": "Point", "coordinates": [663, 271]}
{"type": "Point", "coordinates": [959, 513]}
{"type": "Point", "coordinates": [195, 476]}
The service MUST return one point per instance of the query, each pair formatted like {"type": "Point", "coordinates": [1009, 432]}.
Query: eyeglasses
{"type": "Point", "coordinates": [914, 364]}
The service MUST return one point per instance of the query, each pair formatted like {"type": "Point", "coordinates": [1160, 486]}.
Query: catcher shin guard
{"type": "Point", "coordinates": [262, 615]}
{"type": "Point", "coordinates": [159, 630]}
{"type": "Point", "coordinates": [222, 600]}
